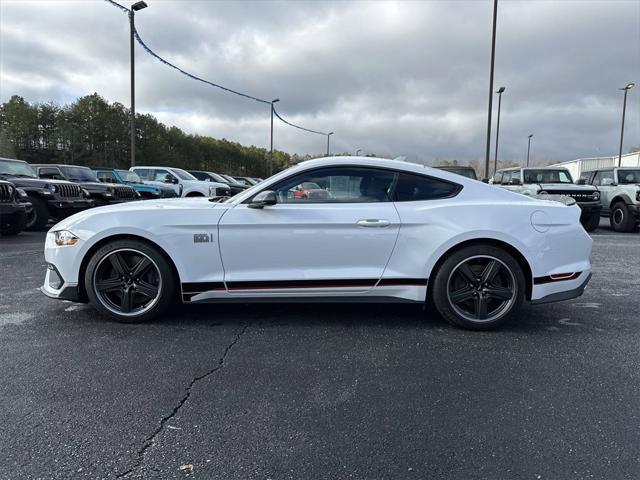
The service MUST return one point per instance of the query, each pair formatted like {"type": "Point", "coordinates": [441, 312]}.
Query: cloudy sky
{"type": "Point", "coordinates": [395, 78]}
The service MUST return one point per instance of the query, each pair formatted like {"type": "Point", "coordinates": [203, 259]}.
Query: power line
{"type": "Point", "coordinates": [195, 77]}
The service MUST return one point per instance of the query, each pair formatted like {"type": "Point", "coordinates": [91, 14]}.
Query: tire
{"type": "Point", "coordinates": [122, 294]}
{"type": "Point", "coordinates": [591, 222]}
{"type": "Point", "coordinates": [465, 300]}
{"type": "Point", "coordinates": [16, 228]}
{"type": "Point", "coordinates": [621, 218]}
{"type": "Point", "coordinates": [194, 194]}
{"type": "Point", "coordinates": [40, 216]}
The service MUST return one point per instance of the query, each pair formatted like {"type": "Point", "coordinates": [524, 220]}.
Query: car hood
{"type": "Point", "coordinates": [567, 187]}
{"type": "Point", "coordinates": [33, 182]}
{"type": "Point", "coordinates": [125, 210]}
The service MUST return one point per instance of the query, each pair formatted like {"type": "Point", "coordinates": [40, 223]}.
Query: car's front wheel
{"type": "Point", "coordinates": [479, 287]}
{"type": "Point", "coordinates": [129, 281]}
{"type": "Point", "coordinates": [592, 222]}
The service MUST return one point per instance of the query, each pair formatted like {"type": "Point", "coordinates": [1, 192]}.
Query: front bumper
{"type": "Point", "coordinates": [64, 208]}
{"type": "Point", "coordinates": [589, 209]}
{"type": "Point", "coordinates": [56, 287]}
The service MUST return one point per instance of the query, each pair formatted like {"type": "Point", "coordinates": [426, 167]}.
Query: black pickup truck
{"type": "Point", "coordinates": [14, 210]}
{"type": "Point", "coordinates": [51, 199]}
{"type": "Point", "coordinates": [101, 193]}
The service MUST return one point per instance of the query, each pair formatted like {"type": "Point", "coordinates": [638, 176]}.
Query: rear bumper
{"type": "Point", "coordinates": [560, 291]}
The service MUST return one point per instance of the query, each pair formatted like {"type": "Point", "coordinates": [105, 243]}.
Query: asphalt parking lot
{"type": "Point", "coordinates": [321, 391]}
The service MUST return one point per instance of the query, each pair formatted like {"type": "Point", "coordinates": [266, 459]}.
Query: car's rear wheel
{"type": "Point", "coordinates": [621, 218]}
{"type": "Point", "coordinates": [479, 287]}
{"type": "Point", "coordinates": [129, 281]}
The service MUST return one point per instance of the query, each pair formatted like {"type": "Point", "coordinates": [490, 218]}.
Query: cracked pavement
{"type": "Point", "coordinates": [320, 391]}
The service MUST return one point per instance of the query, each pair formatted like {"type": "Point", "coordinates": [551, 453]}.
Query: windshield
{"type": "Point", "coordinates": [182, 174]}
{"type": "Point", "coordinates": [129, 177]}
{"type": "Point", "coordinates": [547, 176]}
{"type": "Point", "coordinates": [79, 174]}
{"type": "Point", "coordinates": [217, 178]}
{"type": "Point", "coordinates": [625, 177]}
{"type": "Point", "coordinates": [16, 169]}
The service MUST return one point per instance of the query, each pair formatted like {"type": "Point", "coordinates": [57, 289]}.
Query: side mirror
{"type": "Point", "coordinates": [582, 181]}
{"type": "Point", "coordinates": [515, 181]}
{"type": "Point", "coordinates": [263, 199]}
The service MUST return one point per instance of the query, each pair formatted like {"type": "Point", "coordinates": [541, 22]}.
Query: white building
{"type": "Point", "coordinates": [576, 167]}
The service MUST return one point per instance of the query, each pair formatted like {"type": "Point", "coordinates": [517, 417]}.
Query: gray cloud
{"type": "Point", "coordinates": [395, 78]}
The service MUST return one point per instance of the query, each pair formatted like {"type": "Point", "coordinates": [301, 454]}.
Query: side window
{"type": "Point", "coordinates": [50, 173]}
{"type": "Point", "coordinates": [412, 188]}
{"type": "Point", "coordinates": [506, 178]}
{"type": "Point", "coordinates": [516, 174]}
{"type": "Point", "coordinates": [603, 178]}
{"type": "Point", "coordinates": [336, 185]}
{"type": "Point", "coordinates": [164, 176]}
{"type": "Point", "coordinates": [143, 173]}
{"type": "Point", "coordinates": [497, 178]}
{"type": "Point", "coordinates": [107, 177]}
{"type": "Point", "coordinates": [585, 177]}
{"type": "Point", "coordinates": [564, 177]}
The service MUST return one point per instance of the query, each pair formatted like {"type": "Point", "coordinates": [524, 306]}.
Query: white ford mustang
{"type": "Point", "coordinates": [336, 229]}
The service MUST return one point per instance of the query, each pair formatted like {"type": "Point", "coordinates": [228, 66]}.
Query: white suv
{"type": "Point", "coordinates": [185, 184]}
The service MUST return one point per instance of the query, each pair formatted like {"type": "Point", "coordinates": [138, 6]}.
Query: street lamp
{"type": "Point", "coordinates": [493, 57]}
{"type": "Point", "coordinates": [328, 135]}
{"type": "Point", "coordinates": [529, 148]}
{"type": "Point", "coordinates": [500, 91]}
{"type": "Point", "coordinates": [358, 151]}
{"type": "Point", "coordinates": [626, 89]}
{"type": "Point", "coordinates": [132, 122]}
{"type": "Point", "coordinates": [275, 100]}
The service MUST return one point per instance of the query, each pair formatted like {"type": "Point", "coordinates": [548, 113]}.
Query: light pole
{"type": "Point", "coordinates": [493, 57]}
{"type": "Point", "coordinates": [132, 122]}
{"type": "Point", "coordinates": [500, 91]}
{"type": "Point", "coordinates": [358, 151]}
{"type": "Point", "coordinates": [275, 100]}
{"type": "Point", "coordinates": [529, 148]}
{"type": "Point", "coordinates": [328, 136]}
{"type": "Point", "coordinates": [626, 89]}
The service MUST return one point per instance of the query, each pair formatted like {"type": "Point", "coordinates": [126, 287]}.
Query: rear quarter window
{"type": "Point", "coordinates": [413, 188]}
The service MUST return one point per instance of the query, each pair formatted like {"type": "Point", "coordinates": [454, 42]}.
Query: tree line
{"type": "Point", "coordinates": [93, 132]}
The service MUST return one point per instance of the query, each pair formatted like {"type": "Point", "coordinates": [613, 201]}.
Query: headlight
{"type": "Point", "coordinates": [10, 190]}
{"type": "Point", "coordinates": [156, 193]}
{"type": "Point", "coordinates": [22, 193]}
{"type": "Point", "coordinates": [596, 195]}
{"type": "Point", "coordinates": [109, 192]}
{"type": "Point", "coordinates": [542, 192]}
{"type": "Point", "coordinates": [86, 193]}
{"type": "Point", "coordinates": [212, 191]}
{"type": "Point", "coordinates": [64, 238]}
{"type": "Point", "coordinates": [49, 189]}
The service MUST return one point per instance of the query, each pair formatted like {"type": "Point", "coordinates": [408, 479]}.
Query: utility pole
{"type": "Point", "coordinates": [500, 91]}
{"type": "Point", "coordinates": [626, 89]}
{"type": "Point", "coordinates": [132, 121]}
{"type": "Point", "coordinates": [493, 57]}
{"type": "Point", "coordinates": [529, 148]}
{"type": "Point", "coordinates": [275, 100]}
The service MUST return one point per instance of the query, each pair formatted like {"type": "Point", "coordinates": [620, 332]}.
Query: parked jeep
{"type": "Point", "coordinates": [127, 177]}
{"type": "Point", "coordinates": [51, 199]}
{"type": "Point", "coordinates": [620, 195]}
{"type": "Point", "coordinates": [235, 187]}
{"type": "Point", "coordinates": [553, 181]}
{"type": "Point", "coordinates": [185, 184]}
{"type": "Point", "coordinates": [14, 209]}
{"type": "Point", "coordinates": [100, 193]}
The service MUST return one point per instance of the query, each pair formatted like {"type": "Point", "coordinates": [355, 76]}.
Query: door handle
{"type": "Point", "coordinates": [373, 222]}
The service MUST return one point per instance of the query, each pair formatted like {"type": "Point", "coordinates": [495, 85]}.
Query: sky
{"type": "Point", "coordinates": [397, 78]}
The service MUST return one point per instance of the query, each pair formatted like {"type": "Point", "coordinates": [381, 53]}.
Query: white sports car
{"type": "Point", "coordinates": [373, 230]}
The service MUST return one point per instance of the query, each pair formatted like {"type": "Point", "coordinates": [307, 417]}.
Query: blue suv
{"type": "Point", "coordinates": [146, 191]}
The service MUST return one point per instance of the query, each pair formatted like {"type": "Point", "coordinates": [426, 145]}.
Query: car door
{"type": "Point", "coordinates": [337, 239]}
{"type": "Point", "coordinates": [604, 180]}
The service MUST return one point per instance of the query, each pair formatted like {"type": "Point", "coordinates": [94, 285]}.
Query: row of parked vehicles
{"type": "Point", "coordinates": [31, 195]}
{"type": "Point", "coordinates": [610, 192]}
